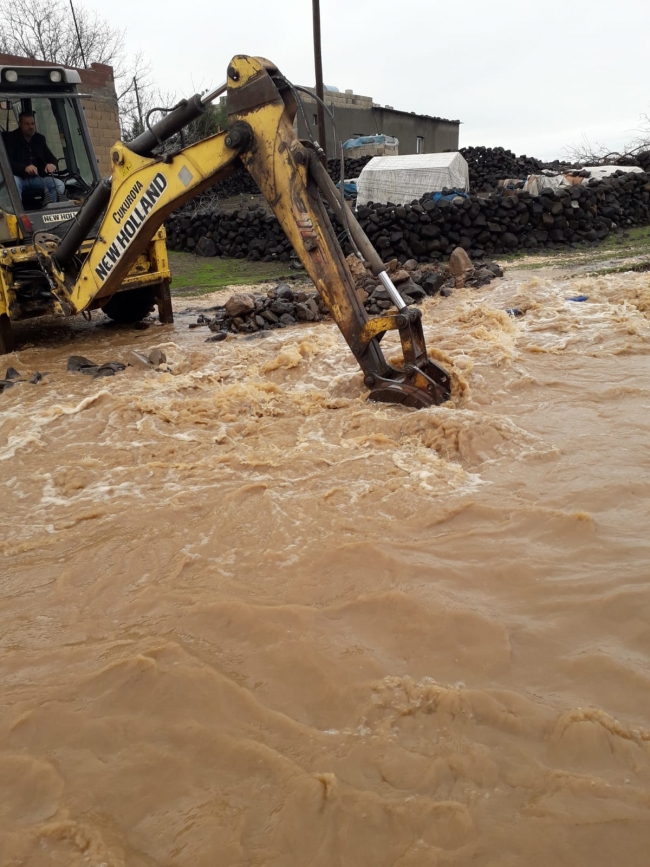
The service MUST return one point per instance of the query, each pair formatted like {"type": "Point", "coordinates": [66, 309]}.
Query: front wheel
{"type": "Point", "coordinates": [131, 306]}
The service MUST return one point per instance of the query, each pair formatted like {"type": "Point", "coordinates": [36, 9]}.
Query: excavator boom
{"type": "Point", "coordinates": [145, 188]}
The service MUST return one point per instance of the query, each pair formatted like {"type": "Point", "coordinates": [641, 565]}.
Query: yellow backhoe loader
{"type": "Point", "coordinates": [123, 217]}
{"type": "Point", "coordinates": [51, 94]}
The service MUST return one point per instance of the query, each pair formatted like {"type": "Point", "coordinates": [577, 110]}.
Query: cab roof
{"type": "Point", "coordinates": [21, 78]}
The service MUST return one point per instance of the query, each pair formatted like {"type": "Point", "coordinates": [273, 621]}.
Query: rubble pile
{"type": "Point", "coordinates": [429, 230]}
{"type": "Point", "coordinates": [283, 305]}
{"type": "Point", "coordinates": [414, 281]}
{"type": "Point", "coordinates": [241, 183]}
{"type": "Point", "coordinates": [248, 312]}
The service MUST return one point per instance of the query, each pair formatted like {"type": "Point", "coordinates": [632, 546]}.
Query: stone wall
{"type": "Point", "coordinates": [429, 230]}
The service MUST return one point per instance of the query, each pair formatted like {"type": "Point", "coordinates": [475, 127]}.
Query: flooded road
{"type": "Point", "coordinates": [250, 619]}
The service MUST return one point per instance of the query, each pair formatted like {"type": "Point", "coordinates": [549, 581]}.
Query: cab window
{"type": "Point", "coordinates": [58, 120]}
{"type": "Point", "coordinates": [5, 199]}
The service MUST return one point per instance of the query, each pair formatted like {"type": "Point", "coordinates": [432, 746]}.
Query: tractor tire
{"type": "Point", "coordinates": [131, 306]}
{"type": "Point", "coordinates": [6, 337]}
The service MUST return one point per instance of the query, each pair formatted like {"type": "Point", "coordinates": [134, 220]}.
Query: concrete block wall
{"type": "Point", "coordinates": [101, 110]}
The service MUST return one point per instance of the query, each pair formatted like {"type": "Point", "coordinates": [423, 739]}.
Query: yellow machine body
{"type": "Point", "coordinates": [146, 188]}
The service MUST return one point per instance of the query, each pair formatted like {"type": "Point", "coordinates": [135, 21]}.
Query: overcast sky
{"type": "Point", "coordinates": [530, 76]}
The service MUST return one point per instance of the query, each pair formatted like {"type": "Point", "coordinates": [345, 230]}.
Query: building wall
{"type": "Point", "coordinates": [100, 106]}
{"type": "Point", "coordinates": [101, 110]}
{"type": "Point", "coordinates": [358, 115]}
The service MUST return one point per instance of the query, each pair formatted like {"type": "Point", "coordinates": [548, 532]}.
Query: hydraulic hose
{"type": "Point", "coordinates": [184, 113]}
{"type": "Point", "coordinates": [92, 210]}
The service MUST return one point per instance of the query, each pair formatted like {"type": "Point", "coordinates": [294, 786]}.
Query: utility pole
{"type": "Point", "coordinates": [138, 104]}
{"type": "Point", "coordinates": [320, 93]}
{"type": "Point", "coordinates": [76, 27]}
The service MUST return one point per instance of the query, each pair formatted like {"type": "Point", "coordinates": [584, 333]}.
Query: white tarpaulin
{"type": "Point", "coordinates": [536, 183]}
{"type": "Point", "coordinates": [402, 179]}
{"type": "Point", "coordinates": [605, 171]}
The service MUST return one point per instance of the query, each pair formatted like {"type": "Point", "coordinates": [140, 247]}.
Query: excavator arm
{"type": "Point", "coordinates": [145, 188]}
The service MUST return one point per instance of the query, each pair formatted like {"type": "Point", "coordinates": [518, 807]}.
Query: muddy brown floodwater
{"type": "Point", "coordinates": [250, 619]}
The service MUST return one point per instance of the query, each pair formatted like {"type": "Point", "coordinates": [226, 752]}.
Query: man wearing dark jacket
{"type": "Point", "coordinates": [32, 162]}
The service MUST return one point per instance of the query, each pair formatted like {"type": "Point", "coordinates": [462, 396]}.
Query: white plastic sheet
{"type": "Point", "coordinates": [605, 171]}
{"type": "Point", "coordinates": [402, 179]}
{"type": "Point", "coordinates": [536, 183]}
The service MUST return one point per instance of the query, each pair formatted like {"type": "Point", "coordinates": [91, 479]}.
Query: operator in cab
{"type": "Point", "coordinates": [31, 160]}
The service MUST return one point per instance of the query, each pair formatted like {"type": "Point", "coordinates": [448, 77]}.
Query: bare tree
{"type": "Point", "coordinates": [635, 152]}
{"type": "Point", "coordinates": [138, 97]}
{"type": "Point", "coordinates": [213, 120]}
{"type": "Point", "coordinates": [47, 31]}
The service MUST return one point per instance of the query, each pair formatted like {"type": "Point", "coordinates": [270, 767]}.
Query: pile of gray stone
{"type": "Point", "coordinates": [283, 305]}
{"type": "Point", "coordinates": [249, 312]}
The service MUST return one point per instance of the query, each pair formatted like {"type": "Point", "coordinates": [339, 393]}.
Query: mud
{"type": "Point", "coordinates": [250, 619]}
